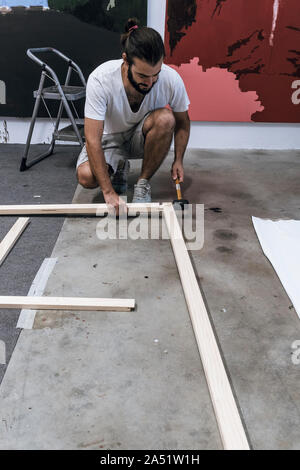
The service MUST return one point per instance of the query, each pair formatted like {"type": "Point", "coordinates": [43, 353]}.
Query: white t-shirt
{"type": "Point", "coordinates": [106, 98]}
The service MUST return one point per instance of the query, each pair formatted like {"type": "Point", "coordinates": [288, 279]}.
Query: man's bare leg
{"type": "Point", "coordinates": [85, 176]}
{"type": "Point", "coordinates": [158, 130]}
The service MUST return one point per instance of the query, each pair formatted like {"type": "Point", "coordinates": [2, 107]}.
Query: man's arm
{"type": "Point", "coordinates": [181, 138]}
{"type": "Point", "coordinates": [93, 130]}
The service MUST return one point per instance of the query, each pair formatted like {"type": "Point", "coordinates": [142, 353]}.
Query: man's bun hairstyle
{"type": "Point", "coordinates": [142, 42]}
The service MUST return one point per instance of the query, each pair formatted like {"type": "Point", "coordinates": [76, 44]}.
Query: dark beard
{"type": "Point", "coordinates": [135, 85]}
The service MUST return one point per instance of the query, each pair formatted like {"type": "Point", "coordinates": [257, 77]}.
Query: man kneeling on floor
{"type": "Point", "coordinates": [126, 117]}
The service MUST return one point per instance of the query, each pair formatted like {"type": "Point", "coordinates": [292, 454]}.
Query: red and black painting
{"type": "Point", "coordinates": [240, 59]}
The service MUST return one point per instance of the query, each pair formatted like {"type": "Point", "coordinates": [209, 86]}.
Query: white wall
{"type": "Point", "coordinates": [203, 134]}
{"type": "Point", "coordinates": [15, 130]}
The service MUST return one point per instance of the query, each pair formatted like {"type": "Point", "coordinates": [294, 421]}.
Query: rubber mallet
{"type": "Point", "coordinates": [181, 202]}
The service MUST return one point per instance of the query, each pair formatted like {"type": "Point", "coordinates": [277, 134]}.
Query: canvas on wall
{"type": "Point", "coordinates": [87, 31]}
{"type": "Point", "coordinates": [240, 59]}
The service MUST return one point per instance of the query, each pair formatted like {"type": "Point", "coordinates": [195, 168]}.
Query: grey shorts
{"type": "Point", "coordinates": [120, 146]}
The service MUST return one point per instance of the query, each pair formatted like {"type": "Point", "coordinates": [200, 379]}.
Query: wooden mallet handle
{"type": "Point", "coordinates": [179, 195]}
{"type": "Point", "coordinates": [179, 200]}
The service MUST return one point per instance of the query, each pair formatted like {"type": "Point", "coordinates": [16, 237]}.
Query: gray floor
{"type": "Point", "coordinates": [54, 181]}
{"type": "Point", "coordinates": [100, 381]}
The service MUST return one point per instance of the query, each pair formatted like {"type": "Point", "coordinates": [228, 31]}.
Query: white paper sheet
{"type": "Point", "coordinates": [280, 241]}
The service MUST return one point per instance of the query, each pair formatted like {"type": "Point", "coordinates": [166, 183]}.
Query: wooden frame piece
{"type": "Point", "coordinates": [74, 209]}
{"type": "Point", "coordinates": [229, 421]}
{"type": "Point", "coordinates": [67, 303]}
{"type": "Point", "coordinates": [225, 408]}
{"type": "Point", "coordinates": [12, 236]}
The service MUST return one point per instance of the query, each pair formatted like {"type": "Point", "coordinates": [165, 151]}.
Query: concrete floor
{"type": "Point", "coordinates": [99, 381]}
{"type": "Point", "coordinates": [52, 180]}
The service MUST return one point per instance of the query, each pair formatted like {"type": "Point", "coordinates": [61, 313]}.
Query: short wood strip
{"type": "Point", "coordinates": [225, 408]}
{"type": "Point", "coordinates": [12, 236]}
{"type": "Point", "coordinates": [66, 303]}
{"type": "Point", "coordinates": [74, 209]}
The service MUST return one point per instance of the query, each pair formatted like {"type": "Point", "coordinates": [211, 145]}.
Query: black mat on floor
{"type": "Point", "coordinates": [55, 182]}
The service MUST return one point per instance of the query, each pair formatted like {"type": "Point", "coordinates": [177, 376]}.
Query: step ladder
{"type": "Point", "coordinates": [65, 94]}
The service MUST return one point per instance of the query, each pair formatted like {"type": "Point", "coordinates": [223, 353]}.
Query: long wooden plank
{"type": "Point", "coordinates": [74, 209]}
{"type": "Point", "coordinates": [230, 425]}
{"type": "Point", "coordinates": [12, 236]}
{"type": "Point", "coordinates": [66, 303]}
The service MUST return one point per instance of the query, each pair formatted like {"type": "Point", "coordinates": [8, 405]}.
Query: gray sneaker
{"type": "Point", "coordinates": [119, 179]}
{"type": "Point", "coordinates": [142, 192]}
